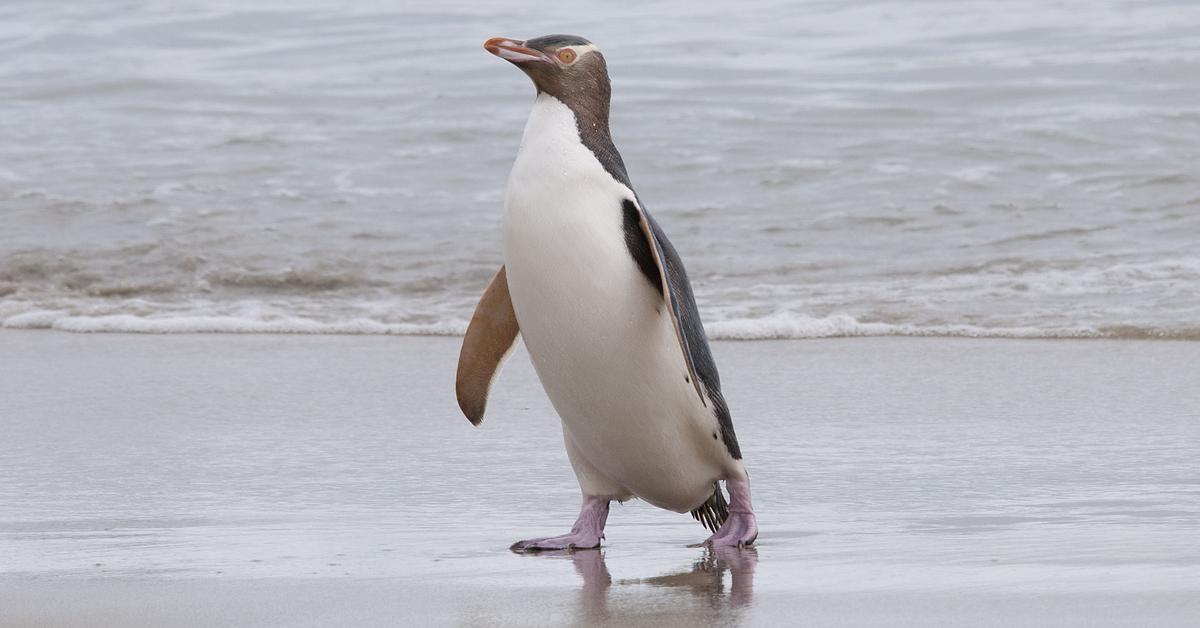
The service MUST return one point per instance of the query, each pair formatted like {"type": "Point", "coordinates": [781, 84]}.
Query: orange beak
{"type": "Point", "coordinates": [513, 51]}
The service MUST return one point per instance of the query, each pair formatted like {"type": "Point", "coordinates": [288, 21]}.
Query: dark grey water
{"type": "Point", "coordinates": [825, 168]}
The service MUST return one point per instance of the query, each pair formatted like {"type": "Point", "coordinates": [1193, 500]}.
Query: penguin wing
{"type": "Point", "coordinates": [668, 273]}
{"type": "Point", "coordinates": [663, 268]}
{"type": "Point", "coordinates": [490, 338]}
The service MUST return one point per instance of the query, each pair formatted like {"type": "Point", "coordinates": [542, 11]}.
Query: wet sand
{"type": "Point", "coordinates": [329, 480]}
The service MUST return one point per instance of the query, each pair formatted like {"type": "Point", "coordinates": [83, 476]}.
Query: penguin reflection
{"type": "Point", "coordinates": [705, 579]}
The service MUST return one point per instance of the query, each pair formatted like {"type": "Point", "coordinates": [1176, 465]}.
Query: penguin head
{"type": "Point", "coordinates": [565, 66]}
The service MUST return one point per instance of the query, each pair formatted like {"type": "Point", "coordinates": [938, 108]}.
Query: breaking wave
{"type": "Point", "coordinates": [778, 326]}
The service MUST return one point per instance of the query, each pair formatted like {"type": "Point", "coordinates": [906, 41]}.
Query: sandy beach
{"type": "Point", "coordinates": [280, 480]}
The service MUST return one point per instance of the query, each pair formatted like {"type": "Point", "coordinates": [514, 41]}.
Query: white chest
{"type": "Point", "coordinates": [581, 302]}
{"type": "Point", "coordinates": [563, 235]}
{"type": "Point", "coordinates": [556, 181]}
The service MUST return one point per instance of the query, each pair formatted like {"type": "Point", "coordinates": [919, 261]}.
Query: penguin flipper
{"type": "Point", "coordinates": [673, 279]}
{"type": "Point", "coordinates": [490, 337]}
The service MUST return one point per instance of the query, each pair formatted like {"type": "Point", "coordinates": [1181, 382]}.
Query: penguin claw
{"type": "Point", "coordinates": [740, 530]}
{"type": "Point", "coordinates": [585, 534]}
{"type": "Point", "coordinates": [567, 542]}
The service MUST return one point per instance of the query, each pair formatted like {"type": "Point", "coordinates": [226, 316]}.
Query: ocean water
{"type": "Point", "coordinates": [825, 168]}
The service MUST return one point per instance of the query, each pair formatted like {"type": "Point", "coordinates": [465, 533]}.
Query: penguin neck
{"type": "Point", "coordinates": [591, 123]}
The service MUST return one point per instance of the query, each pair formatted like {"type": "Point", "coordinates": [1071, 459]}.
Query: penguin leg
{"type": "Point", "coordinates": [741, 528]}
{"type": "Point", "coordinates": [585, 534]}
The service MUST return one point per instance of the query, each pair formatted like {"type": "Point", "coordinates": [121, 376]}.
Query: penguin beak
{"type": "Point", "coordinates": [513, 51]}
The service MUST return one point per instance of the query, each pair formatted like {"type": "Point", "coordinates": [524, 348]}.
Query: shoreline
{"type": "Point", "coordinates": [269, 479]}
{"type": "Point", "coordinates": [234, 327]}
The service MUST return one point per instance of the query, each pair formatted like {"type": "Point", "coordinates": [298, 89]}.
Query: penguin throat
{"type": "Point", "coordinates": [591, 122]}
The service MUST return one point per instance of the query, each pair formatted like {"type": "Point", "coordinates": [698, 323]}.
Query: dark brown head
{"type": "Point", "coordinates": [567, 67]}
{"type": "Point", "coordinates": [571, 69]}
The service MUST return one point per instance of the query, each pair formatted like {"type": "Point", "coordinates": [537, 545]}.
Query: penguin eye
{"type": "Point", "coordinates": [566, 55]}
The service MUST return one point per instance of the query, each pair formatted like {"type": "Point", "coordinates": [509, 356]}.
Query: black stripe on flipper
{"type": "Point", "coordinates": [714, 511]}
{"type": "Point", "coordinates": [698, 351]}
{"type": "Point", "coordinates": [668, 295]}
{"type": "Point", "coordinates": [726, 422]}
{"type": "Point", "coordinates": [639, 247]}
{"type": "Point", "coordinates": [692, 338]}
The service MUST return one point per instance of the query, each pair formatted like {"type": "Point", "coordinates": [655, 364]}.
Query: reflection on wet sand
{"type": "Point", "coordinates": [706, 577]}
{"type": "Point", "coordinates": [704, 580]}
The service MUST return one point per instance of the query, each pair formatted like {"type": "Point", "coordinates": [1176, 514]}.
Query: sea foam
{"type": "Point", "coordinates": [775, 326]}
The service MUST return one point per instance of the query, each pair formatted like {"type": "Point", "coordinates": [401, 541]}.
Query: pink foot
{"type": "Point", "coordinates": [585, 534]}
{"type": "Point", "coordinates": [741, 528]}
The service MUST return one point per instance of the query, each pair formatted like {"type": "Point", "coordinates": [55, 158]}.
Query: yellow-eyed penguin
{"type": "Point", "coordinates": [604, 304]}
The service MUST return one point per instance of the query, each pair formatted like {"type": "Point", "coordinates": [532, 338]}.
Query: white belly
{"type": "Point", "coordinates": [596, 329]}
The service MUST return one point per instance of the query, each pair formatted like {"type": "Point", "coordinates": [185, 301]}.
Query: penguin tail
{"type": "Point", "coordinates": [714, 511]}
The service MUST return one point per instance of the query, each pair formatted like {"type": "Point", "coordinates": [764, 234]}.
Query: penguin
{"type": "Point", "coordinates": [603, 303]}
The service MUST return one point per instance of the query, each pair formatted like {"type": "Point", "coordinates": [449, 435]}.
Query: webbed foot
{"type": "Point", "coordinates": [740, 528]}
{"type": "Point", "coordinates": [585, 534]}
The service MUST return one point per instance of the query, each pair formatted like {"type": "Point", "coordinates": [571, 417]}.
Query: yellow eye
{"type": "Point", "coordinates": [566, 55]}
